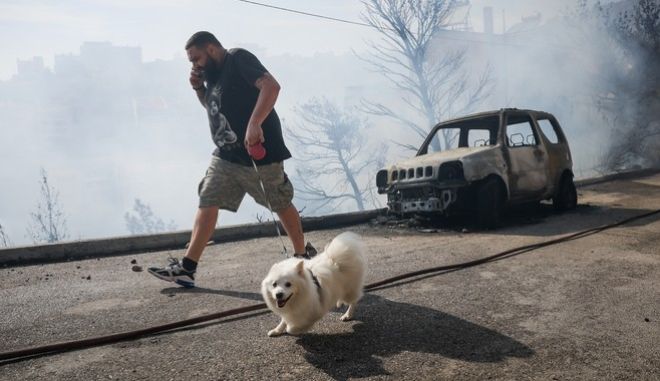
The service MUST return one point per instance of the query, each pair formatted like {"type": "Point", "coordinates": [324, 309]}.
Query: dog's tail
{"type": "Point", "coordinates": [346, 250]}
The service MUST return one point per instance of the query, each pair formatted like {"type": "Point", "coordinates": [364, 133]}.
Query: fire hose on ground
{"type": "Point", "coordinates": [24, 354]}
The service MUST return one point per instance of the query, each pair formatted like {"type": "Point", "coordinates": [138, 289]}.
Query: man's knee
{"type": "Point", "coordinates": [288, 212]}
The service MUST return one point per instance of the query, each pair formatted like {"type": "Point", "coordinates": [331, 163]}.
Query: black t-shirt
{"type": "Point", "coordinates": [230, 98]}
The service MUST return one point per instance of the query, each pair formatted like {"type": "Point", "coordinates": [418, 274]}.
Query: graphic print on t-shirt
{"type": "Point", "coordinates": [223, 135]}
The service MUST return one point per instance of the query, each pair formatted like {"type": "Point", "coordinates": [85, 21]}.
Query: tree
{"type": "Point", "coordinates": [143, 221]}
{"type": "Point", "coordinates": [48, 222]}
{"type": "Point", "coordinates": [331, 149]}
{"type": "Point", "coordinates": [432, 84]}
{"type": "Point", "coordinates": [4, 238]}
{"type": "Point", "coordinates": [639, 31]}
{"type": "Point", "coordinates": [630, 73]}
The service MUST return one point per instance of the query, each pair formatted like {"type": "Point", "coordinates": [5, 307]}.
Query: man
{"type": "Point", "coordinates": [239, 95]}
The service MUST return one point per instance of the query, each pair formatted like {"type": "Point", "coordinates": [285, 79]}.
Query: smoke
{"type": "Point", "coordinates": [110, 126]}
{"type": "Point", "coordinates": [573, 65]}
{"type": "Point", "coordinates": [110, 134]}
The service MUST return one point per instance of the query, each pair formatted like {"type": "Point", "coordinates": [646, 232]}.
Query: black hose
{"type": "Point", "coordinates": [509, 252]}
{"type": "Point", "coordinates": [23, 354]}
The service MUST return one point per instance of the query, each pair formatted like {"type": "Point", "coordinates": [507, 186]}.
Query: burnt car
{"type": "Point", "coordinates": [482, 163]}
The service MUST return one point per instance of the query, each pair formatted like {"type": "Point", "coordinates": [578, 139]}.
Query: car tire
{"type": "Point", "coordinates": [566, 196]}
{"type": "Point", "coordinates": [489, 204]}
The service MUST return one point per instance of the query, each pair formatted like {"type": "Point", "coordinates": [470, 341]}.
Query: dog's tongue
{"type": "Point", "coordinates": [281, 303]}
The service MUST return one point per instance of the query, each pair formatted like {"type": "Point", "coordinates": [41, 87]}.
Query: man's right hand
{"type": "Point", "coordinates": [196, 80]}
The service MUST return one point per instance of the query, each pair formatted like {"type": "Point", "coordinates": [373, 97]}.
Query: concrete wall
{"type": "Point", "coordinates": [65, 251]}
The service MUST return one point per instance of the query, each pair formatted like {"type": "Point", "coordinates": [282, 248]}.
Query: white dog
{"type": "Point", "coordinates": [301, 292]}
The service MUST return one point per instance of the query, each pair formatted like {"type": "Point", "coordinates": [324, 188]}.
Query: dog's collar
{"type": "Point", "coordinates": [316, 281]}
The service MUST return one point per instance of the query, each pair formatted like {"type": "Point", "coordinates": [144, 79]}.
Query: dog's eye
{"type": "Point", "coordinates": [274, 284]}
{"type": "Point", "coordinates": [287, 284]}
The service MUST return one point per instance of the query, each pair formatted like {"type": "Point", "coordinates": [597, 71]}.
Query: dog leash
{"type": "Point", "coordinates": [270, 208]}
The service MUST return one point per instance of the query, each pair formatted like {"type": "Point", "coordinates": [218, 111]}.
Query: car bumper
{"type": "Point", "coordinates": [423, 197]}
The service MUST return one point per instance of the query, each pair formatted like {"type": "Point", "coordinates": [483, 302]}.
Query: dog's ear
{"type": "Point", "coordinates": [300, 269]}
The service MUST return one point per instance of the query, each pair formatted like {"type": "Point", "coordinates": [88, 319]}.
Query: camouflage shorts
{"type": "Point", "coordinates": [226, 183]}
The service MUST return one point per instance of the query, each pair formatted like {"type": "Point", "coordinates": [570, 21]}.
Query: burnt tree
{"type": "Point", "coordinates": [331, 149]}
{"type": "Point", "coordinates": [629, 80]}
{"type": "Point", "coordinates": [142, 220]}
{"type": "Point", "coordinates": [4, 238]}
{"type": "Point", "coordinates": [430, 78]}
{"type": "Point", "coordinates": [48, 223]}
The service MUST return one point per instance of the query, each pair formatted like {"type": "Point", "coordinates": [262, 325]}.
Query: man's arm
{"type": "Point", "coordinates": [268, 91]}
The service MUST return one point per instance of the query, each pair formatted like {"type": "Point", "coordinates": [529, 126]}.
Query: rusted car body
{"type": "Point", "coordinates": [488, 161]}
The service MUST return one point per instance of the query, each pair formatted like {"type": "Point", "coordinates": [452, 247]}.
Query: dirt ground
{"type": "Point", "coordinates": [587, 309]}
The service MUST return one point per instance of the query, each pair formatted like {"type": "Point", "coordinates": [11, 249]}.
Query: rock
{"type": "Point", "coordinates": [136, 268]}
{"type": "Point", "coordinates": [134, 261]}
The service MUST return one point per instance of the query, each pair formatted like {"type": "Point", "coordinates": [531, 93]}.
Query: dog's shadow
{"type": "Point", "coordinates": [386, 328]}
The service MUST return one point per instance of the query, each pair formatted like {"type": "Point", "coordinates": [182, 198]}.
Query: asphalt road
{"type": "Point", "coordinates": [587, 309]}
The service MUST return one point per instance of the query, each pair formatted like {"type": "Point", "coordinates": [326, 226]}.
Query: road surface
{"type": "Point", "coordinates": [586, 309]}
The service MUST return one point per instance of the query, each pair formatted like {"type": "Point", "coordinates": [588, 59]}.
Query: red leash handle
{"type": "Point", "coordinates": [257, 151]}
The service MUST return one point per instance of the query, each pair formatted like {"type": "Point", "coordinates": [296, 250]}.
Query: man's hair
{"type": "Point", "coordinates": [201, 39]}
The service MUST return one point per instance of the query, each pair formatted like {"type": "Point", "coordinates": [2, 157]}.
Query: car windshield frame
{"type": "Point", "coordinates": [488, 122]}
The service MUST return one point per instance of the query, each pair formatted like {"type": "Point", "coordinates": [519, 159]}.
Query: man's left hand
{"type": "Point", "coordinates": [253, 135]}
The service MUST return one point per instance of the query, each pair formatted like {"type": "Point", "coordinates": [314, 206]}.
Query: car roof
{"type": "Point", "coordinates": [486, 114]}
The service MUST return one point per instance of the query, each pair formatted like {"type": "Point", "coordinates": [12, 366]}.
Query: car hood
{"type": "Point", "coordinates": [442, 157]}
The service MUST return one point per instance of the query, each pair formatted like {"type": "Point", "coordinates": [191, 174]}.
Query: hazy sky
{"type": "Point", "coordinates": [160, 28]}
{"type": "Point", "coordinates": [31, 28]}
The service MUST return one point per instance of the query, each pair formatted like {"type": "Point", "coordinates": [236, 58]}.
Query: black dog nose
{"type": "Point", "coordinates": [279, 295]}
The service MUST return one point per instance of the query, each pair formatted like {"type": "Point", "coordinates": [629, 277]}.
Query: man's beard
{"type": "Point", "coordinates": [211, 69]}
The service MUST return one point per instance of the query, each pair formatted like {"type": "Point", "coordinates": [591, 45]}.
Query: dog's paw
{"type": "Point", "coordinates": [275, 332]}
{"type": "Point", "coordinates": [348, 315]}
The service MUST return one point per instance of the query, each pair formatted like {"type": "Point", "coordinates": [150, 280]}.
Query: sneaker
{"type": "Point", "coordinates": [174, 272]}
{"type": "Point", "coordinates": [310, 252]}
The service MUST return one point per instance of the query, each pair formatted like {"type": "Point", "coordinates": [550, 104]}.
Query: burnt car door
{"type": "Point", "coordinates": [526, 156]}
{"type": "Point", "coordinates": [559, 154]}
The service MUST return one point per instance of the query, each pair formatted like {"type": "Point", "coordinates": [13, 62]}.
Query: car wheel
{"type": "Point", "coordinates": [566, 197]}
{"type": "Point", "coordinates": [489, 204]}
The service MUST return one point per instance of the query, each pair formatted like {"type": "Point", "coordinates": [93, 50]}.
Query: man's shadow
{"type": "Point", "coordinates": [387, 328]}
{"type": "Point", "coordinates": [202, 290]}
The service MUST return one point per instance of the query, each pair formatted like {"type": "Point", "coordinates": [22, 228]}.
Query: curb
{"type": "Point", "coordinates": [617, 176]}
{"type": "Point", "coordinates": [97, 248]}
